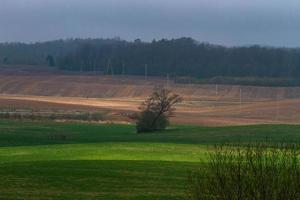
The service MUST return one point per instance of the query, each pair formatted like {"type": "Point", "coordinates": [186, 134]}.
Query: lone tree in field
{"type": "Point", "coordinates": [156, 110]}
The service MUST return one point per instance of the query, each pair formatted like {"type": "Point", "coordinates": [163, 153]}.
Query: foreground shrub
{"type": "Point", "coordinates": [255, 172]}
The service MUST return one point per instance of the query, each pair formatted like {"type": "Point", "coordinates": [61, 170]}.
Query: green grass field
{"type": "Point", "coordinates": [47, 160]}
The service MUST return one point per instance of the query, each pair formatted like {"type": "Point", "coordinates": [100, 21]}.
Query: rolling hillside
{"type": "Point", "coordinates": [21, 87]}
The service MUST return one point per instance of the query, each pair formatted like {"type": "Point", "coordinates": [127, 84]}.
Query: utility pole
{"type": "Point", "coordinates": [277, 107]}
{"type": "Point", "coordinates": [175, 78]}
{"type": "Point", "coordinates": [217, 91]}
{"type": "Point", "coordinates": [123, 68]}
{"type": "Point", "coordinates": [109, 68]}
{"type": "Point", "coordinates": [146, 72]}
{"type": "Point", "coordinates": [168, 80]}
{"type": "Point", "coordinates": [240, 100]}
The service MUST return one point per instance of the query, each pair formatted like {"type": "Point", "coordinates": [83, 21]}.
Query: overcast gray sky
{"type": "Point", "coordinates": [227, 22]}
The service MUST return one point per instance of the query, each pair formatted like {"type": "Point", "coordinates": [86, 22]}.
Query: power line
{"type": "Point", "coordinates": [146, 72]}
{"type": "Point", "coordinates": [168, 80]}
{"type": "Point", "coordinates": [123, 68]}
{"type": "Point", "coordinates": [109, 68]}
{"type": "Point", "coordinates": [277, 106]}
{"type": "Point", "coordinates": [216, 89]}
{"type": "Point", "coordinates": [240, 100]}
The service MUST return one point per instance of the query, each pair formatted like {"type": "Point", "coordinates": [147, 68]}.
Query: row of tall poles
{"type": "Point", "coordinates": [241, 99]}
{"type": "Point", "coordinates": [110, 69]}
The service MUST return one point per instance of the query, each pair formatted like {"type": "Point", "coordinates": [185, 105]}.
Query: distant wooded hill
{"type": "Point", "coordinates": [176, 57]}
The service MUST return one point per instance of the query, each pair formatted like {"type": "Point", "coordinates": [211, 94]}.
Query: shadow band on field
{"type": "Point", "coordinates": [107, 180]}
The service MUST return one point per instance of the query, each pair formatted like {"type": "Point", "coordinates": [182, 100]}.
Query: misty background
{"type": "Point", "coordinates": [226, 22]}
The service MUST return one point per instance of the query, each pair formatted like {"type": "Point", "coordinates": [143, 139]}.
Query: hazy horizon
{"type": "Point", "coordinates": [229, 23]}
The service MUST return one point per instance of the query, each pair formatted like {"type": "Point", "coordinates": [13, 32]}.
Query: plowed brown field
{"type": "Point", "coordinates": [21, 88]}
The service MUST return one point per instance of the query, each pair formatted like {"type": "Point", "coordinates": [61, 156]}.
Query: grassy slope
{"type": "Point", "coordinates": [16, 133]}
{"type": "Point", "coordinates": [85, 161]}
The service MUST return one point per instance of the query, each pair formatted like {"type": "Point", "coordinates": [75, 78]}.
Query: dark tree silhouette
{"type": "Point", "coordinates": [156, 111]}
{"type": "Point", "coordinates": [183, 57]}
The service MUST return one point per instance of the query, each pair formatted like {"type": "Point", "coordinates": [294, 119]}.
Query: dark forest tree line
{"type": "Point", "coordinates": [180, 57]}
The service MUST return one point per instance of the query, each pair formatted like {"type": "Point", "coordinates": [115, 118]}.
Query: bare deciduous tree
{"type": "Point", "coordinates": [156, 110]}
